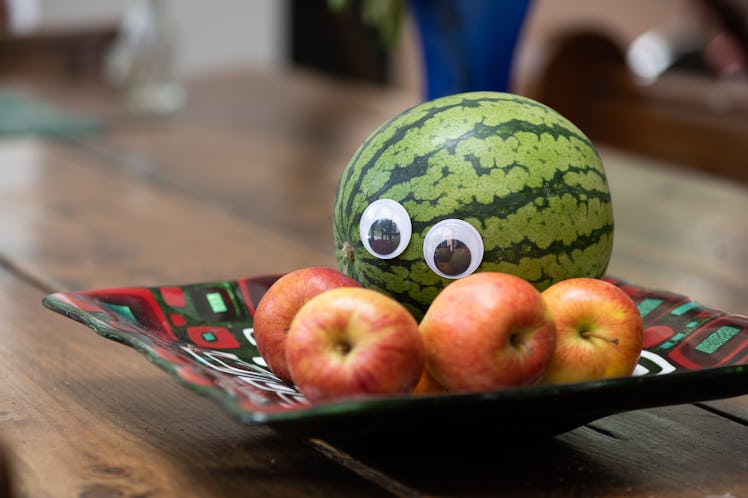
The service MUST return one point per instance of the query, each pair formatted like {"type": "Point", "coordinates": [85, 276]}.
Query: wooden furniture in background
{"type": "Point", "coordinates": [59, 55]}
{"type": "Point", "coordinates": [696, 121]}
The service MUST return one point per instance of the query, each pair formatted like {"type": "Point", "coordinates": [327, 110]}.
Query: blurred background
{"type": "Point", "coordinates": [664, 78]}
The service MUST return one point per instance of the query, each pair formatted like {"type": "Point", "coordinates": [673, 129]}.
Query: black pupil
{"type": "Point", "coordinates": [384, 236]}
{"type": "Point", "coordinates": [452, 257]}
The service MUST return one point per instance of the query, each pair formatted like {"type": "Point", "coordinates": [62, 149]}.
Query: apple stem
{"type": "Point", "coordinates": [588, 333]}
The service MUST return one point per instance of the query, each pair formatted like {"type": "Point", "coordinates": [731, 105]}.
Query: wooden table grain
{"type": "Point", "coordinates": [241, 183]}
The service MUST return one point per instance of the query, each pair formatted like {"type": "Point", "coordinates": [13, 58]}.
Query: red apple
{"type": "Point", "coordinates": [488, 331]}
{"type": "Point", "coordinates": [354, 341]}
{"type": "Point", "coordinates": [599, 331]}
{"type": "Point", "coordinates": [279, 305]}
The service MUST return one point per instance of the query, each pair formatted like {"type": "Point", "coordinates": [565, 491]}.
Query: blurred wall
{"type": "Point", "coordinates": [213, 33]}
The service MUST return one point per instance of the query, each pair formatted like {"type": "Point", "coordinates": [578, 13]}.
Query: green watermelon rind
{"type": "Point", "coordinates": [511, 158]}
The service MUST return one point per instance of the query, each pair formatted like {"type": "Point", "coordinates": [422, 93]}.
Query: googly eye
{"type": "Point", "coordinates": [453, 248]}
{"type": "Point", "coordinates": [385, 228]}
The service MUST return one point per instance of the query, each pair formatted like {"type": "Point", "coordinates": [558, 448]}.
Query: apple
{"type": "Point", "coordinates": [427, 384]}
{"type": "Point", "coordinates": [281, 302]}
{"type": "Point", "coordinates": [598, 331]}
{"type": "Point", "coordinates": [487, 331]}
{"type": "Point", "coordinates": [354, 341]}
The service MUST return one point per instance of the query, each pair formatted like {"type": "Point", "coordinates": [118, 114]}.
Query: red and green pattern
{"type": "Point", "coordinates": [201, 334]}
{"type": "Point", "coordinates": [525, 177]}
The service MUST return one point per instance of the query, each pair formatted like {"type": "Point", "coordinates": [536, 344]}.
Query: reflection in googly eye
{"type": "Point", "coordinates": [453, 248]}
{"type": "Point", "coordinates": [385, 228]}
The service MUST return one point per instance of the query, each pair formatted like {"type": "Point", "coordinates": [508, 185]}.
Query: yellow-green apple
{"type": "Point", "coordinates": [487, 331]}
{"type": "Point", "coordinates": [598, 331]}
{"type": "Point", "coordinates": [354, 341]}
{"type": "Point", "coordinates": [279, 305]}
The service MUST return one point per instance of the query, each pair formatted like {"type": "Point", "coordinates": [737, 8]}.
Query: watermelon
{"type": "Point", "coordinates": [480, 181]}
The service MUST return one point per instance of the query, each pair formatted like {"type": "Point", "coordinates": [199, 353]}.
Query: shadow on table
{"type": "Point", "coordinates": [6, 484]}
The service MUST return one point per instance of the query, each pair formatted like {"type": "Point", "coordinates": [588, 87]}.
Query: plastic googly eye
{"type": "Point", "coordinates": [385, 228]}
{"type": "Point", "coordinates": [453, 248]}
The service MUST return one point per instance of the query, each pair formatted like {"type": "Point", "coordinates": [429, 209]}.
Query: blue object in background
{"type": "Point", "coordinates": [468, 45]}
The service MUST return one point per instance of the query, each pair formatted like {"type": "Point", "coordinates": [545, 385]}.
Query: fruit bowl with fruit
{"type": "Point", "coordinates": [202, 334]}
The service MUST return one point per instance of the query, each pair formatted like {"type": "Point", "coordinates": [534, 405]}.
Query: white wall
{"type": "Point", "coordinates": [219, 33]}
{"type": "Point", "coordinates": [213, 33]}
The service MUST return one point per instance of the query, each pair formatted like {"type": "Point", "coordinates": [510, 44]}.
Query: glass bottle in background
{"type": "Point", "coordinates": [143, 59]}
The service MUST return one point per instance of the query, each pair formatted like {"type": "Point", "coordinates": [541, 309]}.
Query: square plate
{"type": "Point", "coordinates": [201, 334]}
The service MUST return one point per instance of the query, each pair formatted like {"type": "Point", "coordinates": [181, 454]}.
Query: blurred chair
{"type": "Point", "coordinates": [693, 119]}
{"type": "Point", "coordinates": [66, 54]}
{"type": "Point", "coordinates": [75, 55]}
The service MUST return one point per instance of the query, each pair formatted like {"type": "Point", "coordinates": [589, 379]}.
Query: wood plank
{"type": "Point", "coordinates": [142, 233]}
{"type": "Point", "coordinates": [676, 452]}
{"type": "Point", "coordinates": [283, 141]}
{"type": "Point", "coordinates": [679, 231]}
{"type": "Point", "coordinates": [84, 416]}
{"type": "Point", "coordinates": [267, 175]}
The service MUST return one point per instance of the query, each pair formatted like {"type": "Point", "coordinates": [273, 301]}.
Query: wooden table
{"type": "Point", "coordinates": [241, 183]}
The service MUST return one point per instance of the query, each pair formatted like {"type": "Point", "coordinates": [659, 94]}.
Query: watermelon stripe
{"type": "Point", "coordinates": [510, 128]}
{"type": "Point", "coordinates": [400, 128]}
{"type": "Point", "coordinates": [420, 163]}
{"type": "Point", "coordinates": [555, 187]}
{"type": "Point", "coordinates": [527, 249]}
